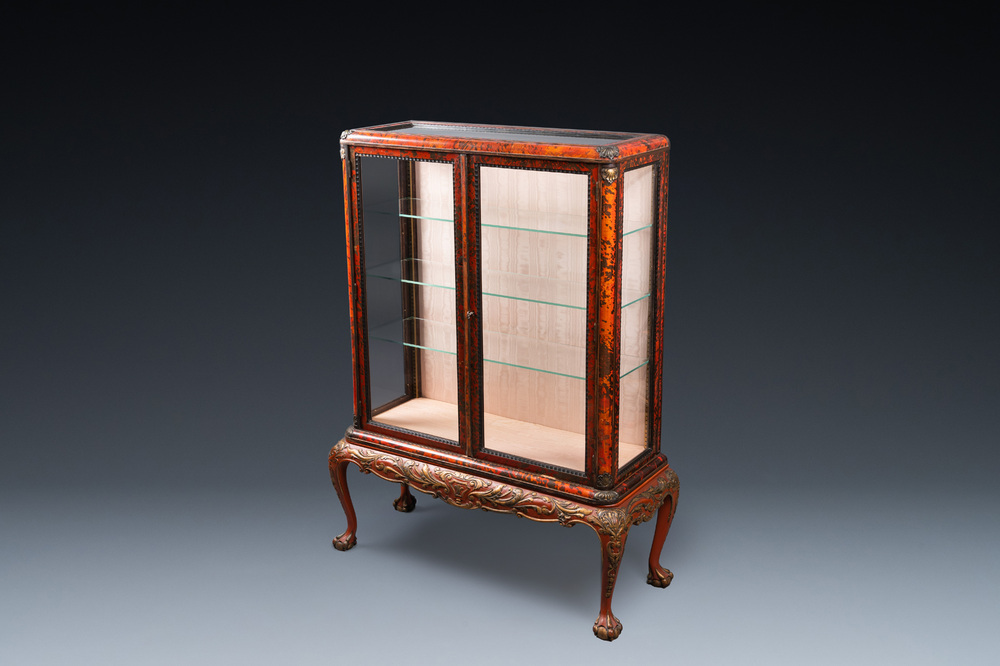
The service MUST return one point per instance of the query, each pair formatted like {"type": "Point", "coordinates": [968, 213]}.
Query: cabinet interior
{"type": "Point", "coordinates": [533, 232]}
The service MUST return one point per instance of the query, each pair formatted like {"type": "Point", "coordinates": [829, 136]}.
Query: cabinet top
{"type": "Point", "coordinates": [584, 145]}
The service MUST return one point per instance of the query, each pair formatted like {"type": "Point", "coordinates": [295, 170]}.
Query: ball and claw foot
{"type": "Point", "coordinates": [405, 503]}
{"type": "Point", "coordinates": [607, 627]}
{"type": "Point", "coordinates": [345, 542]}
{"type": "Point", "coordinates": [659, 577]}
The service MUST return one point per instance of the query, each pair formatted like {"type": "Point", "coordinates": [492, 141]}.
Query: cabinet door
{"type": "Point", "coordinates": [533, 231]}
{"type": "Point", "coordinates": [407, 224]}
{"type": "Point", "coordinates": [536, 240]}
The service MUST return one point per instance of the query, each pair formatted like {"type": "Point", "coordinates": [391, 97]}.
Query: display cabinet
{"type": "Point", "coordinates": [506, 297]}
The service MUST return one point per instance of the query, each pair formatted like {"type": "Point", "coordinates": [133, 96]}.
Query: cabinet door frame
{"type": "Point", "coordinates": [358, 295]}
{"type": "Point", "coordinates": [659, 160]}
{"type": "Point", "coordinates": [474, 308]}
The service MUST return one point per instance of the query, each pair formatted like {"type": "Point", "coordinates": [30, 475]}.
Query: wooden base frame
{"type": "Point", "coordinates": [656, 495]}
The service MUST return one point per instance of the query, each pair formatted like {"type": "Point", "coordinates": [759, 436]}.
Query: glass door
{"type": "Point", "coordinates": [534, 238]}
{"type": "Point", "coordinates": [533, 255]}
{"type": "Point", "coordinates": [408, 231]}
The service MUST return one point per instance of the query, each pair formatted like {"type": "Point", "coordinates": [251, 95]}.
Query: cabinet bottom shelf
{"type": "Point", "coordinates": [519, 438]}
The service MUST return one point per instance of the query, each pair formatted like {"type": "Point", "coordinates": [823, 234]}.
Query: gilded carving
{"type": "Point", "coordinates": [606, 496]}
{"type": "Point", "coordinates": [659, 577]}
{"type": "Point", "coordinates": [647, 503]}
{"type": "Point", "coordinates": [612, 526]}
{"type": "Point", "coordinates": [344, 544]}
{"type": "Point", "coordinates": [343, 148]}
{"type": "Point", "coordinates": [609, 174]}
{"type": "Point", "coordinates": [472, 492]}
{"type": "Point", "coordinates": [406, 502]}
{"type": "Point", "coordinates": [607, 627]}
{"type": "Point", "coordinates": [611, 523]}
{"type": "Point", "coordinates": [463, 490]}
{"type": "Point", "coordinates": [608, 152]}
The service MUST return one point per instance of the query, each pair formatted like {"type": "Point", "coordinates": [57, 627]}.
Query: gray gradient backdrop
{"type": "Point", "coordinates": [174, 349]}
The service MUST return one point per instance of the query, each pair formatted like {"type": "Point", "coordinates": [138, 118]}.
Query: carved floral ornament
{"type": "Point", "coordinates": [472, 492]}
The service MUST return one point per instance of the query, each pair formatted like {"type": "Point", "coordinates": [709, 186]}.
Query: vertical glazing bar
{"type": "Point", "coordinates": [591, 435]}
{"type": "Point", "coordinates": [608, 323]}
{"type": "Point", "coordinates": [470, 364]}
{"type": "Point", "coordinates": [408, 251]}
{"type": "Point", "coordinates": [354, 280]}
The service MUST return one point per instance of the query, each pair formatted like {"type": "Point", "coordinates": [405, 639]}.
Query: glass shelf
{"type": "Point", "coordinates": [631, 297]}
{"type": "Point", "coordinates": [518, 351]}
{"type": "Point", "coordinates": [498, 284]}
{"type": "Point", "coordinates": [428, 273]}
{"type": "Point", "coordinates": [560, 224]}
{"type": "Point", "coordinates": [548, 291]}
{"type": "Point", "coordinates": [400, 208]}
{"type": "Point", "coordinates": [541, 356]}
{"type": "Point", "coordinates": [562, 293]}
{"type": "Point", "coordinates": [637, 229]}
{"type": "Point", "coordinates": [436, 336]}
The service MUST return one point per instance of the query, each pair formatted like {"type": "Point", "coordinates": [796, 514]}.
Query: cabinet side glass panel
{"type": "Point", "coordinates": [533, 235]}
{"type": "Point", "coordinates": [409, 247]}
{"type": "Point", "coordinates": [637, 302]}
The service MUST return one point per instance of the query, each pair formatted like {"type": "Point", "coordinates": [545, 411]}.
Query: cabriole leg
{"type": "Point", "coordinates": [658, 576]}
{"type": "Point", "coordinates": [607, 627]}
{"type": "Point", "coordinates": [338, 474]}
{"type": "Point", "coordinates": [405, 502]}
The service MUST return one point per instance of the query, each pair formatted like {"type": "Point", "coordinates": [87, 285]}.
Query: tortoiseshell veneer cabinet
{"type": "Point", "coordinates": [506, 294]}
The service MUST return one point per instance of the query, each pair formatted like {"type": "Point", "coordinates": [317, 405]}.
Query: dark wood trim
{"type": "Point", "coordinates": [533, 466]}
{"type": "Point", "coordinates": [469, 309]}
{"type": "Point", "coordinates": [475, 296]}
{"type": "Point", "coordinates": [407, 272]}
{"type": "Point", "coordinates": [363, 408]}
{"type": "Point", "coordinates": [362, 397]}
{"type": "Point", "coordinates": [347, 159]}
{"type": "Point", "coordinates": [655, 343]}
{"type": "Point", "coordinates": [389, 405]}
{"type": "Point", "coordinates": [656, 371]}
{"type": "Point", "coordinates": [594, 209]}
{"type": "Point", "coordinates": [387, 431]}
{"type": "Point", "coordinates": [466, 313]}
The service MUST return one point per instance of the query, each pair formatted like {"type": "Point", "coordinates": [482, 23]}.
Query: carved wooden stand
{"type": "Point", "coordinates": [658, 494]}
